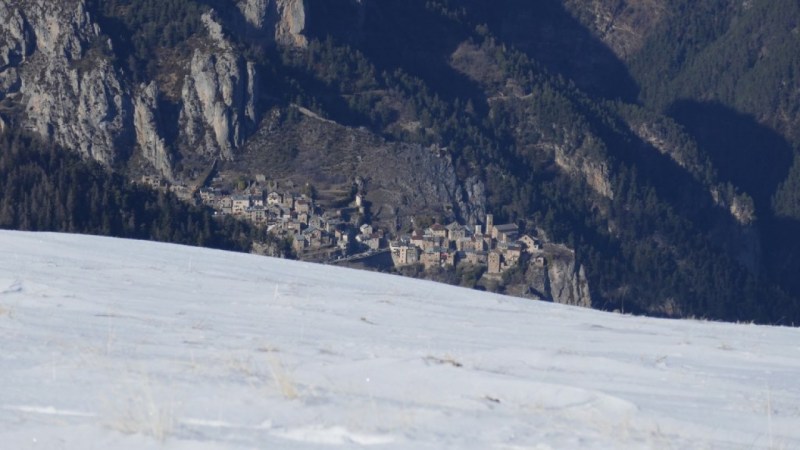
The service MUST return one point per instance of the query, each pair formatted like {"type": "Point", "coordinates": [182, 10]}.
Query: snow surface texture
{"type": "Point", "coordinates": [122, 344]}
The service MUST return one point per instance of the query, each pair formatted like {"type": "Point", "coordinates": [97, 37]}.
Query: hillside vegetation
{"type": "Point", "coordinates": [48, 189]}
{"type": "Point", "coordinates": [657, 138]}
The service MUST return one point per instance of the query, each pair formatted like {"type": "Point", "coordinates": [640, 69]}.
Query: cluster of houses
{"type": "Point", "coordinates": [324, 235]}
{"type": "Point", "coordinates": [499, 247]}
{"type": "Point", "coordinates": [314, 233]}
{"type": "Point", "coordinates": [181, 191]}
{"type": "Point", "coordinates": [284, 213]}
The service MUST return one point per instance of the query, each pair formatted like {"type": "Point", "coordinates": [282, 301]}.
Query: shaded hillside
{"type": "Point", "coordinates": [744, 57]}
{"type": "Point", "coordinates": [49, 189]}
{"type": "Point", "coordinates": [658, 146]}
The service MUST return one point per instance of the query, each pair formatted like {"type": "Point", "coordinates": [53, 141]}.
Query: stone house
{"type": "Point", "coordinates": [342, 238]}
{"type": "Point", "coordinates": [209, 196]}
{"type": "Point", "coordinates": [303, 206]}
{"type": "Point", "coordinates": [334, 225]}
{"type": "Point", "coordinates": [257, 213]}
{"type": "Point", "coordinates": [531, 244]}
{"type": "Point", "coordinates": [437, 257]}
{"type": "Point", "coordinates": [303, 217]}
{"type": "Point", "coordinates": [316, 238]}
{"type": "Point", "coordinates": [154, 181]}
{"type": "Point", "coordinates": [417, 238]}
{"type": "Point", "coordinates": [437, 230]}
{"type": "Point", "coordinates": [512, 252]}
{"type": "Point", "coordinates": [488, 243]}
{"type": "Point", "coordinates": [473, 243]}
{"type": "Point", "coordinates": [456, 231]}
{"type": "Point", "coordinates": [404, 255]}
{"type": "Point", "coordinates": [372, 241]}
{"type": "Point", "coordinates": [476, 258]}
{"type": "Point", "coordinates": [279, 225]}
{"type": "Point", "coordinates": [431, 258]}
{"type": "Point", "coordinates": [293, 226]}
{"type": "Point", "coordinates": [429, 243]}
{"type": "Point", "coordinates": [299, 243]}
{"type": "Point", "coordinates": [275, 211]}
{"type": "Point", "coordinates": [256, 192]}
{"type": "Point", "coordinates": [240, 203]}
{"type": "Point", "coordinates": [288, 201]}
{"type": "Point", "coordinates": [494, 261]}
{"type": "Point", "coordinates": [225, 202]}
{"type": "Point", "coordinates": [506, 232]}
{"type": "Point", "coordinates": [274, 198]}
{"type": "Point", "coordinates": [448, 258]}
{"type": "Point", "coordinates": [464, 245]}
{"type": "Point", "coordinates": [366, 229]}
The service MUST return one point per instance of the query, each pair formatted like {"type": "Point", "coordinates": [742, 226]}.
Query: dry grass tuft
{"type": "Point", "coordinates": [282, 378]}
{"type": "Point", "coordinates": [142, 414]}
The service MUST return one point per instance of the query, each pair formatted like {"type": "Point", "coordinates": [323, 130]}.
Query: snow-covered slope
{"type": "Point", "coordinates": [121, 344]}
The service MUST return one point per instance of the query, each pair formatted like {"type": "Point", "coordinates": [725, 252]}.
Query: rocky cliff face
{"type": "Point", "coordinates": [420, 180]}
{"type": "Point", "coordinates": [622, 25]}
{"type": "Point", "coordinates": [284, 20]}
{"type": "Point", "coordinates": [16, 44]}
{"type": "Point", "coordinates": [57, 79]}
{"type": "Point", "coordinates": [146, 120]}
{"type": "Point", "coordinates": [560, 279]}
{"type": "Point", "coordinates": [576, 152]}
{"type": "Point", "coordinates": [56, 69]}
{"type": "Point", "coordinates": [423, 101]}
{"type": "Point", "coordinates": [401, 180]}
{"type": "Point", "coordinates": [219, 95]}
{"type": "Point", "coordinates": [576, 156]}
{"type": "Point", "coordinates": [291, 23]}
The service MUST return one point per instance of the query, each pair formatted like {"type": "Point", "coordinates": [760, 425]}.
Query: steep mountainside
{"type": "Point", "coordinates": [727, 72]}
{"type": "Point", "coordinates": [656, 138]}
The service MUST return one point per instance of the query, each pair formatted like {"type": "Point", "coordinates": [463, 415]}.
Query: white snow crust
{"type": "Point", "coordinates": [107, 343]}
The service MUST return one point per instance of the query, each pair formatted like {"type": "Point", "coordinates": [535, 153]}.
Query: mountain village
{"type": "Point", "coordinates": [334, 234]}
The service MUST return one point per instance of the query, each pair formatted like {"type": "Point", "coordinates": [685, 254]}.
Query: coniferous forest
{"type": "Point", "coordinates": [49, 189]}
{"type": "Point", "coordinates": [668, 159]}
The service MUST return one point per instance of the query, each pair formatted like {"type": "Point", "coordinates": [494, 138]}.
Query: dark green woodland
{"type": "Point", "coordinates": [662, 146]}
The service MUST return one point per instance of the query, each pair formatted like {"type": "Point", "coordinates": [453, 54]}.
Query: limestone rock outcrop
{"type": "Point", "coordinates": [284, 20]}
{"type": "Point", "coordinates": [146, 121]}
{"type": "Point", "coordinates": [401, 180]}
{"type": "Point", "coordinates": [54, 63]}
{"type": "Point", "coordinates": [559, 278]}
{"type": "Point", "coordinates": [623, 25]}
{"type": "Point", "coordinates": [255, 12]}
{"type": "Point", "coordinates": [291, 24]}
{"type": "Point", "coordinates": [219, 95]}
{"type": "Point", "coordinates": [16, 44]}
{"type": "Point", "coordinates": [578, 161]}
{"type": "Point", "coordinates": [58, 77]}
